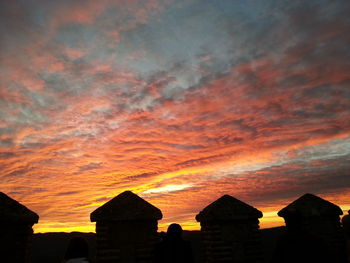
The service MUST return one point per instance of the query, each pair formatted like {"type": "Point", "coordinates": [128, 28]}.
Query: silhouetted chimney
{"type": "Point", "coordinates": [346, 227]}
{"type": "Point", "coordinates": [315, 216]}
{"type": "Point", "coordinates": [230, 231]}
{"type": "Point", "coordinates": [346, 224]}
{"type": "Point", "coordinates": [126, 229]}
{"type": "Point", "coordinates": [16, 223]}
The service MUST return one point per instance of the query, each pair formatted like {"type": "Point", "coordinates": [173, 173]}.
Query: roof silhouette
{"type": "Point", "coordinates": [310, 205]}
{"type": "Point", "coordinates": [13, 211]}
{"type": "Point", "coordinates": [126, 206]}
{"type": "Point", "coordinates": [228, 208]}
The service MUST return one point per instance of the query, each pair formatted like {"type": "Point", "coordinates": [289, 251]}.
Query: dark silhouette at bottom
{"type": "Point", "coordinates": [173, 249]}
{"type": "Point", "coordinates": [346, 227]}
{"type": "Point", "coordinates": [77, 251]}
{"type": "Point", "coordinates": [297, 245]}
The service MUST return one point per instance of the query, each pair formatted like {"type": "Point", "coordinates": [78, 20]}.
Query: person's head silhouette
{"type": "Point", "coordinates": [174, 231]}
{"type": "Point", "coordinates": [174, 249]}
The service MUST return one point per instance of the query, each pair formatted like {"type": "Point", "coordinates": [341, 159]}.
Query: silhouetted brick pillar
{"type": "Point", "coordinates": [346, 227]}
{"type": "Point", "coordinates": [317, 217]}
{"type": "Point", "coordinates": [16, 231]}
{"type": "Point", "coordinates": [230, 231]}
{"type": "Point", "coordinates": [126, 229]}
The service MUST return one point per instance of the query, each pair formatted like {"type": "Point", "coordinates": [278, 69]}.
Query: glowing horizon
{"type": "Point", "coordinates": [270, 219]}
{"type": "Point", "coordinates": [179, 101]}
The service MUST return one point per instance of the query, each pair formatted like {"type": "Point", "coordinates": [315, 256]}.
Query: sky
{"type": "Point", "coordinates": [179, 101]}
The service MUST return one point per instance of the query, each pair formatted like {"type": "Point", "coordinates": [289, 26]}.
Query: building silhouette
{"type": "Point", "coordinates": [311, 217]}
{"type": "Point", "coordinates": [16, 223]}
{"type": "Point", "coordinates": [230, 231]}
{"type": "Point", "coordinates": [346, 227]}
{"type": "Point", "coordinates": [126, 229]}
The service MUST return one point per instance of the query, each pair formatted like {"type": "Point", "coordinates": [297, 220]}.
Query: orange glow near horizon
{"type": "Point", "coordinates": [270, 219]}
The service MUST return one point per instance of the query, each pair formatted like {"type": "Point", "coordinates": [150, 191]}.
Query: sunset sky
{"type": "Point", "coordinates": [180, 101]}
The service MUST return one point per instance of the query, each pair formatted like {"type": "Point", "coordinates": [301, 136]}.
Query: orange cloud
{"type": "Point", "coordinates": [83, 122]}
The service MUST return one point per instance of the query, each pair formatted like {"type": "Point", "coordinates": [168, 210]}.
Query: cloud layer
{"type": "Point", "coordinates": [179, 101]}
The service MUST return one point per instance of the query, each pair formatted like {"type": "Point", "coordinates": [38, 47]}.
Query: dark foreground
{"type": "Point", "coordinates": [50, 247]}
